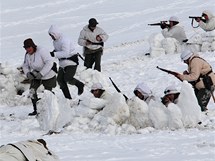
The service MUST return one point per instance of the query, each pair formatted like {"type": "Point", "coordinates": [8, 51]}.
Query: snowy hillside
{"type": "Point", "coordinates": [123, 60]}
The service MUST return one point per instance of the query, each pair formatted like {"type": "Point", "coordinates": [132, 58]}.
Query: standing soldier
{"type": "Point", "coordinates": [39, 69]}
{"type": "Point", "coordinates": [64, 50]}
{"type": "Point", "coordinates": [200, 75]}
{"type": "Point", "coordinates": [92, 39]}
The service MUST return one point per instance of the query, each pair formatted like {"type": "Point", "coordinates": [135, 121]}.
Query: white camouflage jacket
{"type": "Point", "coordinates": [40, 61]}
{"type": "Point", "coordinates": [63, 46]}
{"type": "Point", "coordinates": [210, 24]}
{"type": "Point", "coordinates": [176, 32]}
{"type": "Point", "coordinates": [87, 34]}
{"type": "Point", "coordinates": [31, 149]}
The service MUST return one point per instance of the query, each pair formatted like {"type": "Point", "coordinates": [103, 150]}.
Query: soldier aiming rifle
{"type": "Point", "coordinates": [197, 18]}
{"type": "Point", "coordinates": [172, 29]}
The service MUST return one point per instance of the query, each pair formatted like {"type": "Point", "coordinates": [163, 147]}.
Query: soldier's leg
{"type": "Point", "coordinates": [49, 84]}
{"type": "Point", "coordinates": [33, 94]}
{"type": "Point", "coordinates": [88, 61]}
{"type": "Point", "coordinates": [98, 56]}
{"type": "Point", "coordinates": [62, 83]}
{"type": "Point", "coordinates": [203, 96]}
{"type": "Point", "coordinates": [69, 77]}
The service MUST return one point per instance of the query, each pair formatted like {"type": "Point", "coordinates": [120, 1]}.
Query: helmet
{"type": "Point", "coordinates": [186, 54]}
{"type": "Point", "coordinates": [96, 86]}
{"type": "Point", "coordinates": [174, 18]}
{"type": "Point", "coordinates": [171, 90]}
{"type": "Point", "coordinates": [143, 89]}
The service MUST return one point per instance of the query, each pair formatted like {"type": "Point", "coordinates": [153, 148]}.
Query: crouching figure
{"type": "Point", "coordinates": [30, 150]}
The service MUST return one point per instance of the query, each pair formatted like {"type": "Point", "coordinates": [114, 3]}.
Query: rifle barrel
{"type": "Point", "coordinates": [117, 89]}
{"type": "Point", "coordinates": [154, 24]}
{"type": "Point", "coordinates": [195, 17]}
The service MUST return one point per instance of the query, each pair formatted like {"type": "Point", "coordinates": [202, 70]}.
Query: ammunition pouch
{"type": "Point", "coordinates": [207, 81]}
{"type": "Point", "coordinates": [73, 58]}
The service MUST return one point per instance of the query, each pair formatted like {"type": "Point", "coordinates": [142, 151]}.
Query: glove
{"type": "Point", "coordinates": [37, 75]}
{"type": "Point", "coordinates": [52, 53]}
{"type": "Point", "coordinates": [88, 42]}
{"type": "Point", "coordinates": [185, 72]}
{"type": "Point", "coordinates": [163, 25]}
{"type": "Point", "coordinates": [98, 38]}
{"type": "Point", "coordinates": [30, 76]}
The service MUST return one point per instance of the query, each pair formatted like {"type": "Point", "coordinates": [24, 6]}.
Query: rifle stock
{"type": "Point", "coordinates": [117, 89]}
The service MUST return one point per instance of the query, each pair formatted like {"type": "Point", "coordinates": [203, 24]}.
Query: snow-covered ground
{"type": "Point", "coordinates": [123, 60]}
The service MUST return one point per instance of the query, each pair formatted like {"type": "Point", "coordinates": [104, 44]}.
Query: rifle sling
{"type": "Point", "coordinates": [19, 150]}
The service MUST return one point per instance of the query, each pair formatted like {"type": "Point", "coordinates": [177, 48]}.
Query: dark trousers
{"type": "Point", "coordinates": [66, 75]}
{"type": "Point", "coordinates": [203, 96]}
{"type": "Point", "coordinates": [35, 84]}
{"type": "Point", "coordinates": [91, 57]}
{"type": "Point", "coordinates": [48, 84]}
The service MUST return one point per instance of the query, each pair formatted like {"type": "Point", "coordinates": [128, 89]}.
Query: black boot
{"type": "Point", "coordinates": [32, 113]}
{"type": "Point", "coordinates": [66, 93]}
{"type": "Point", "coordinates": [80, 87]}
{"type": "Point", "coordinates": [34, 102]}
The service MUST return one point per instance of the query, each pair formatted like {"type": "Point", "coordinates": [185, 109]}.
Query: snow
{"type": "Point", "coordinates": [91, 134]}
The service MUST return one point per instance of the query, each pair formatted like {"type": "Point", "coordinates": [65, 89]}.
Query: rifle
{"type": "Point", "coordinates": [98, 43]}
{"type": "Point", "coordinates": [159, 24]}
{"type": "Point", "coordinates": [192, 83]}
{"type": "Point", "coordinates": [169, 72]}
{"type": "Point", "coordinates": [80, 56]}
{"type": "Point", "coordinates": [117, 89]}
{"type": "Point", "coordinates": [194, 18]}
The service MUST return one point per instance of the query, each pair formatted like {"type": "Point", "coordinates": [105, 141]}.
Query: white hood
{"type": "Point", "coordinates": [54, 30]}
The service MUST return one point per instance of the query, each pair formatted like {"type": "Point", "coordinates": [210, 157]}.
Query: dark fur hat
{"type": "Point", "coordinates": [29, 43]}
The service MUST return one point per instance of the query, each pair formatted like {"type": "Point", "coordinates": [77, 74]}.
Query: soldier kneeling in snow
{"type": "Point", "coordinates": [98, 91]}
{"type": "Point", "coordinates": [30, 150]}
{"type": "Point", "coordinates": [143, 92]}
{"type": "Point", "coordinates": [138, 106]}
{"type": "Point", "coordinates": [171, 96]}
